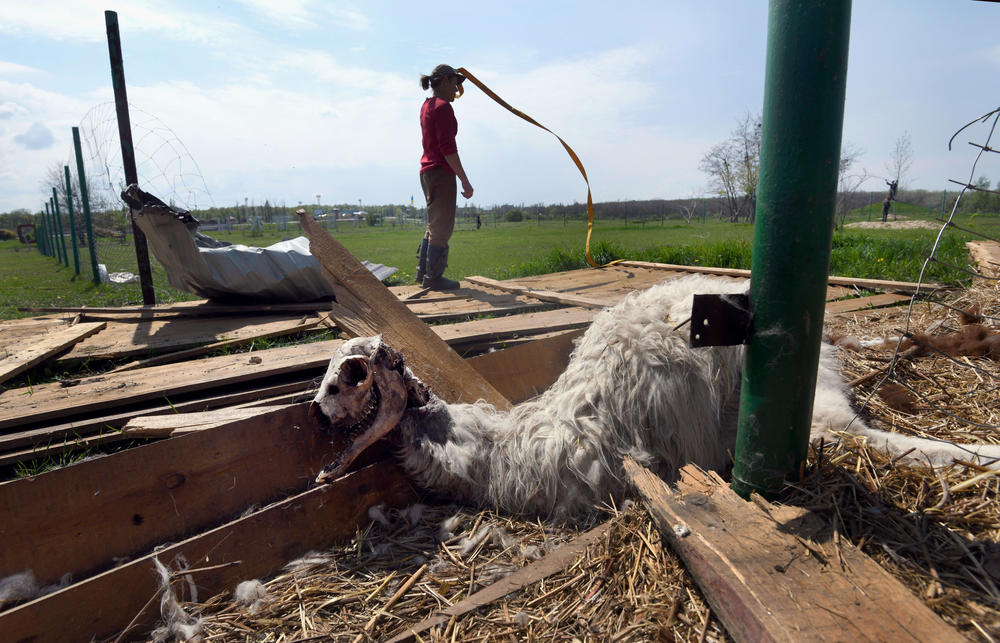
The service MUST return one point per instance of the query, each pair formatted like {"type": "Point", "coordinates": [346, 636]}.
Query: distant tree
{"type": "Point", "coordinates": [733, 167]}
{"type": "Point", "coordinates": [513, 216]}
{"type": "Point", "coordinates": [900, 160]}
{"type": "Point", "coordinates": [848, 182]}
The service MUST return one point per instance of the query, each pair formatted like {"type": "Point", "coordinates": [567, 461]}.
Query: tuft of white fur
{"type": "Point", "coordinates": [178, 625]}
{"type": "Point", "coordinates": [18, 587]}
{"type": "Point", "coordinates": [377, 514]}
{"type": "Point", "coordinates": [251, 594]}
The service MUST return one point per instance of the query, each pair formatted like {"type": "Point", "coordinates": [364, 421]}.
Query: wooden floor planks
{"type": "Point", "coordinates": [76, 520]}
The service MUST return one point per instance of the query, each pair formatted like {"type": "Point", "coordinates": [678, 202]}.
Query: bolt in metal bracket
{"type": "Point", "coordinates": [721, 320]}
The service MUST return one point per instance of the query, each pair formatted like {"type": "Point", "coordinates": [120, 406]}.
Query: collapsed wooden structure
{"type": "Point", "coordinates": [230, 496]}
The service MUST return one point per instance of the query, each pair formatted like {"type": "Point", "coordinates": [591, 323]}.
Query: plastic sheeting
{"type": "Point", "coordinates": [196, 263]}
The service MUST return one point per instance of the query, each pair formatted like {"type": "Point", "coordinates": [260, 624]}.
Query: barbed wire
{"type": "Point", "coordinates": [891, 372]}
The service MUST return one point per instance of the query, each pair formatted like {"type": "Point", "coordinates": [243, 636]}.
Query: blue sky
{"type": "Point", "coordinates": [284, 100]}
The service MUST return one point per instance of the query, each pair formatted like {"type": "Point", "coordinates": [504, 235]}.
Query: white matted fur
{"type": "Point", "coordinates": [633, 387]}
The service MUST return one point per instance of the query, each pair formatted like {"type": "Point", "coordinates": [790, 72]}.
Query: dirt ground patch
{"type": "Point", "coordinates": [899, 224]}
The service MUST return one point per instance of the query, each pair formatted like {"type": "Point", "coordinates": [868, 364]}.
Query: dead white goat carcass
{"type": "Point", "coordinates": [633, 386]}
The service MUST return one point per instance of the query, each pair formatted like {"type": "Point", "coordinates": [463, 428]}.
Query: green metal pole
{"type": "Point", "coordinates": [61, 237]}
{"type": "Point", "coordinates": [85, 200]}
{"type": "Point", "coordinates": [804, 92]}
{"type": "Point", "coordinates": [40, 234]}
{"type": "Point", "coordinates": [53, 245]}
{"type": "Point", "coordinates": [72, 222]}
{"type": "Point", "coordinates": [944, 195]}
{"type": "Point", "coordinates": [870, 206]}
{"type": "Point", "coordinates": [48, 231]}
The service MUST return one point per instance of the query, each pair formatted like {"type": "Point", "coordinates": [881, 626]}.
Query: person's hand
{"type": "Point", "coordinates": [466, 189]}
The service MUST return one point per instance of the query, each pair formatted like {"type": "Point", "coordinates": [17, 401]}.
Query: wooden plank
{"type": "Point", "coordinates": [542, 295]}
{"type": "Point", "coordinates": [57, 437]}
{"type": "Point", "coordinates": [145, 337]}
{"type": "Point", "coordinates": [530, 574]}
{"type": "Point", "coordinates": [516, 326]}
{"type": "Point", "coordinates": [986, 256]}
{"type": "Point", "coordinates": [177, 424]}
{"type": "Point", "coordinates": [255, 546]}
{"type": "Point", "coordinates": [864, 303]}
{"type": "Point", "coordinates": [289, 328]}
{"type": "Point", "coordinates": [22, 357]}
{"type": "Point", "coordinates": [524, 371]}
{"type": "Point", "coordinates": [857, 282]}
{"type": "Point", "coordinates": [764, 584]}
{"type": "Point", "coordinates": [78, 518]}
{"type": "Point", "coordinates": [376, 310]}
{"type": "Point", "coordinates": [100, 392]}
{"type": "Point", "coordinates": [200, 307]}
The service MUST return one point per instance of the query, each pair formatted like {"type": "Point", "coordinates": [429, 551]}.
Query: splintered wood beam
{"type": "Point", "coordinates": [255, 546]}
{"type": "Point", "coordinates": [26, 355]}
{"type": "Point", "coordinates": [77, 519]}
{"type": "Point", "coordinates": [524, 371]}
{"type": "Point", "coordinates": [541, 295]}
{"type": "Point", "coordinates": [764, 584]}
{"type": "Point", "coordinates": [176, 424]}
{"type": "Point", "coordinates": [376, 310]}
{"type": "Point", "coordinates": [873, 284]}
{"type": "Point", "coordinates": [197, 308]}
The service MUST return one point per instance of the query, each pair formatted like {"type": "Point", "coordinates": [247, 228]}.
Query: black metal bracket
{"type": "Point", "coordinates": [721, 320]}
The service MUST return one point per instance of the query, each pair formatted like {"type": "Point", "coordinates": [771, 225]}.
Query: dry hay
{"type": "Point", "coordinates": [626, 587]}
{"type": "Point", "coordinates": [937, 532]}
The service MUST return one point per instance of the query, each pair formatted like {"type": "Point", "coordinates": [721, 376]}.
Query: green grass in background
{"type": "Point", "coordinates": [518, 249]}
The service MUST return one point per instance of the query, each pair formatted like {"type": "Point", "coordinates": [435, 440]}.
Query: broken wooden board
{"type": "Point", "coordinates": [376, 310]}
{"type": "Point", "coordinates": [128, 596]}
{"type": "Point", "coordinates": [25, 355]}
{"type": "Point", "coordinates": [196, 308]}
{"type": "Point", "coordinates": [37, 442]}
{"type": "Point", "coordinates": [864, 303]}
{"type": "Point", "coordinates": [78, 518]}
{"type": "Point", "coordinates": [986, 256]}
{"type": "Point", "coordinates": [177, 424]}
{"type": "Point", "coordinates": [141, 338]}
{"type": "Point", "coordinates": [14, 331]}
{"type": "Point", "coordinates": [482, 303]}
{"type": "Point", "coordinates": [515, 326]}
{"type": "Point", "coordinates": [101, 392]}
{"type": "Point", "coordinates": [541, 295]}
{"type": "Point", "coordinates": [858, 282]}
{"type": "Point", "coordinates": [289, 328]}
{"type": "Point", "coordinates": [764, 585]}
{"type": "Point", "coordinates": [524, 371]}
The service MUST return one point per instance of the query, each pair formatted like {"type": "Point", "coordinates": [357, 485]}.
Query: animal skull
{"type": "Point", "coordinates": [362, 398]}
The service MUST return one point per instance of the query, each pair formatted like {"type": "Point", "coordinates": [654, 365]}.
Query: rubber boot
{"type": "Point", "coordinates": [421, 260]}
{"type": "Point", "coordinates": [437, 261]}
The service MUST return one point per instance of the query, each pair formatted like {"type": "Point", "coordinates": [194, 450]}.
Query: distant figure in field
{"type": "Point", "coordinates": [439, 167]}
{"type": "Point", "coordinates": [889, 199]}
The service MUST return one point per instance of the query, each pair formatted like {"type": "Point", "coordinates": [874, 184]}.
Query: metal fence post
{"type": "Point", "coordinates": [85, 200]}
{"type": "Point", "coordinates": [72, 222]}
{"type": "Point", "coordinates": [40, 234]}
{"type": "Point", "coordinates": [807, 46]}
{"type": "Point", "coordinates": [128, 151]}
{"type": "Point", "coordinates": [59, 228]}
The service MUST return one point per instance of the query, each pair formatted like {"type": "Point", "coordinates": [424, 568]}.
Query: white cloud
{"type": "Point", "coordinates": [83, 21]}
{"type": "Point", "coordinates": [310, 13]}
{"type": "Point", "coordinates": [37, 137]}
{"type": "Point", "coordinates": [14, 69]}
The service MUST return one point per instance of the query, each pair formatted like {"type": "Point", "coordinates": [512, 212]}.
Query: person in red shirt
{"type": "Point", "coordinates": [439, 168]}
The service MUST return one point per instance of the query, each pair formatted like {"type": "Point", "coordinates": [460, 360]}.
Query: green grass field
{"type": "Point", "coordinates": [509, 250]}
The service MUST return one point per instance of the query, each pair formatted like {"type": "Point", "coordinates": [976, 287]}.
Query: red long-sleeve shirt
{"type": "Point", "coordinates": [439, 127]}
